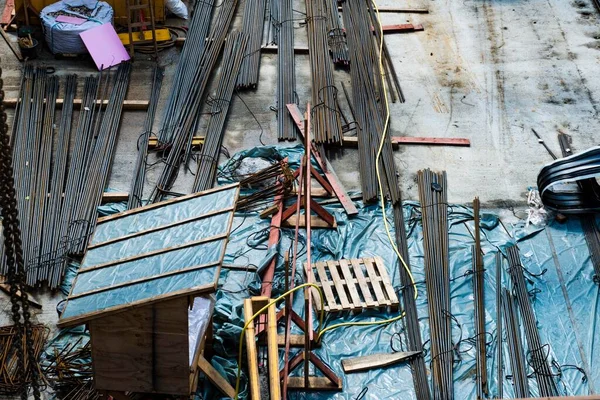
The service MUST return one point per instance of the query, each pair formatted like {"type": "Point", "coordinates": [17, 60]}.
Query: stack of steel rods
{"type": "Point", "coordinates": [391, 77]}
{"type": "Point", "coordinates": [538, 358]}
{"type": "Point", "coordinates": [106, 130]}
{"type": "Point", "coordinates": [366, 106]}
{"type": "Point", "coordinates": [411, 318]}
{"type": "Point", "coordinates": [187, 68]}
{"type": "Point", "coordinates": [479, 300]}
{"type": "Point", "coordinates": [136, 190]}
{"type": "Point", "coordinates": [434, 211]}
{"type": "Point", "coordinates": [336, 36]}
{"type": "Point", "coordinates": [499, 349]}
{"type": "Point", "coordinates": [264, 185]}
{"type": "Point", "coordinates": [40, 231]}
{"type": "Point", "coordinates": [59, 173]}
{"type": "Point", "coordinates": [253, 27]}
{"type": "Point", "coordinates": [515, 348]}
{"type": "Point", "coordinates": [327, 125]}
{"type": "Point", "coordinates": [286, 78]}
{"type": "Point", "coordinates": [200, 61]}
{"type": "Point", "coordinates": [209, 156]}
{"type": "Point", "coordinates": [592, 238]}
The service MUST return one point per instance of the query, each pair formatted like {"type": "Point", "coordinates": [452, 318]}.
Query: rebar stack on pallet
{"type": "Point", "coordinates": [200, 54]}
{"type": "Point", "coordinates": [434, 214]}
{"type": "Point", "coordinates": [479, 300]}
{"type": "Point", "coordinates": [327, 125]}
{"type": "Point", "coordinates": [369, 111]}
{"type": "Point", "coordinates": [538, 354]}
{"type": "Point", "coordinates": [136, 190]}
{"type": "Point", "coordinates": [209, 156]}
{"type": "Point", "coordinates": [253, 27]}
{"type": "Point", "coordinates": [518, 368]}
{"type": "Point", "coordinates": [286, 78]}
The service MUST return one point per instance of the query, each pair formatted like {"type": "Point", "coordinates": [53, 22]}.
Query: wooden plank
{"type": "Point", "coordinates": [350, 284]}
{"type": "Point", "coordinates": [373, 361]}
{"type": "Point", "coordinates": [362, 282]}
{"type": "Point", "coordinates": [215, 377]}
{"type": "Point", "coordinates": [315, 383]}
{"type": "Point", "coordinates": [196, 141]}
{"type": "Point", "coordinates": [167, 202]}
{"type": "Point", "coordinates": [122, 351]}
{"type": "Point", "coordinates": [339, 286]}
{"type": "Point", "coordinates": [128, 105]}
{"type": "Point", "coordinates": [114, 197]}
{"type": "Point", "coordinates": [387, 283]}
{"type": "Point", "coordinates": [295, 340]}
{"type": "Point", "coordinates": [273, 352]}
{"type": "Point", "coordinates": [251, 351]}
{"type": "Point", "coordinates": [375, 282]}
{"type": "Point", "coordinates": [326, 284]}
{"type": "Point", "coordinates": [401, 28]}
{"type": "Point", "coordinates": [32, 302]}
{"type": "Point", "coordinates": [316, 222]}
{"type": "Point", "coordinates": [11, 45]}
{"type": "Point", "coordinates": [352, 141]}
{"type": "Point", "coordinates": [162, 35]}
{"type": "Point", "coordinates": [8, 12]}
{"type": "Point", "coordinates": [171, 348]}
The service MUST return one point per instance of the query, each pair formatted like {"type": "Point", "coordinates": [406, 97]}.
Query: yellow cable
{"type": "Point", "coordinates": [381, 195]}
{"type": "Point", "coordinates": [259, 312]}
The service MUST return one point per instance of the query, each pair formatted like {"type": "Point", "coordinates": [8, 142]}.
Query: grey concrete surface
{"type": "Point", "coordinates": [487, 70]}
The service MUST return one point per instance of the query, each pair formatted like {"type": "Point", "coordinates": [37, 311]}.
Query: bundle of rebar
{"type": "Point", "coordinates": [499, 328]}
{"type": "Point", "coordinates": [336, 37]}
{"type": "Point", "coordinates": [11, 380]}
{"type": "Point", "coordinates": [136, 190]}
{"type": "Point", "coordinates": [213, 138]}
{"type": "Point", "coordinates": [515, 347]}
{"type": "Point", "coordinates": [39, 171]}
{"type": "Point", "coordinates": [182, 115]}
{"type": "Point", "coordinates": [326, 121]}
{"type": "Point", "coordinates": [69, 371]}
{"type": "Point", "coordinates": [479, 300]}
{"type": "Point", "coordinates": [538, 358]}
{"type": "Point", "coordinates": [366, 103]}
{"type": "Point", "coordinates": [434, 214]}
{"type": "Point", "coordinates": [411, 318]}
{"type": "Point", "coordinates": [592, 238]}
{"type": "Point", "coordinates": [286, 77]}
{"type": "Point", "coordinates": [253, 27]}
{"type": "Point", "coordinates": [265, 184]}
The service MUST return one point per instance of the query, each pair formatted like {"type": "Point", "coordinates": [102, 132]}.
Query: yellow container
{"type": "Point", "coordinates": [119, 7]}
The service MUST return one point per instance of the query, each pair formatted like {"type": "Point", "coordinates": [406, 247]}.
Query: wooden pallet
{"type": "Point", "coordinates": [353, 285]}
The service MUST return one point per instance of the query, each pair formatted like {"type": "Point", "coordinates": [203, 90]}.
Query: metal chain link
{"type": "Point", "coordinates": [14, 258]}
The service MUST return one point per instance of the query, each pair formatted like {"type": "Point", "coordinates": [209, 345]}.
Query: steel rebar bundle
{"type": "Point", "coordinates": [538, 359]}
{"type": "Point", "coordinates": [434, 212]}
{"type": "Point", "coordinates": [499, 328]}
{"type": "Point", "coordinates": [479, 300]}
{"type": "Point", "coordinates": [411, 318]}
{"type": "Point", "coordinates": [253, 27]}
{"type": "Point", "coordinates": [515, 346]}
{"type": "Point", "coordinates": [592, 239]}
{"type": "Point", "coordinates": [335, 35]}
{"type": "Point", "coordinates": [136, 190]}
{"type": "Point", "coordinates": [327, 125]}
{"type": "Point", "coordinates": [366, 103]}
{"type": "Point", "coordinates": [265, 184]}
{"type": "Point", "coordinates": [286, 77]}
{"type": "Point", "coordinates": [11, 381]}
{"type": "Point", "coordinates": [183, 110]}
{"type": "Point", "coordinates": [206, 171]}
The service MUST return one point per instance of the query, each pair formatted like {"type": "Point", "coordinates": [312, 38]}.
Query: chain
{"type": "Point", "coordinates": [14, 258]}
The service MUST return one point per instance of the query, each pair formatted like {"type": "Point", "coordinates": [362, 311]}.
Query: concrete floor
{"type": "Point", "coordinates": [482, 69]}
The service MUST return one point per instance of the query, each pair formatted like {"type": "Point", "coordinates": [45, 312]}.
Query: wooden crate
{"type": "Point", "coordinates": [353, 285]}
